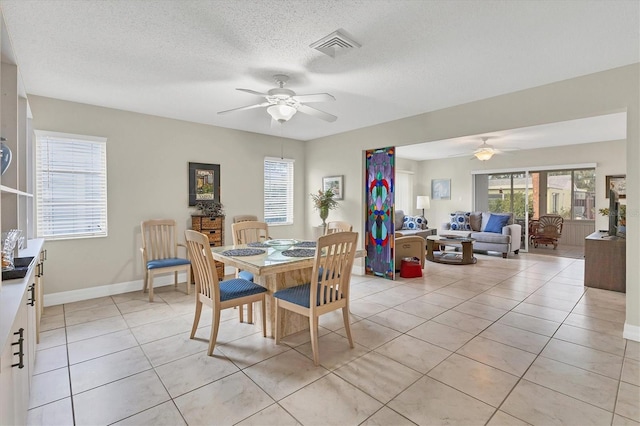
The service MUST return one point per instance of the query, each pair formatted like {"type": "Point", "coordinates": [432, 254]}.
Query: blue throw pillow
{"type": "Point", "coordinates": [414, 223]}
{"type": "Point", "coordinates": [496, 222]}
{"type": "Point", "coordinates": [460, 221]}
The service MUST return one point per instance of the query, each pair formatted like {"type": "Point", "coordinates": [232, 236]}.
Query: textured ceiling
{"type": "Point", "coordinates": [184, 59]}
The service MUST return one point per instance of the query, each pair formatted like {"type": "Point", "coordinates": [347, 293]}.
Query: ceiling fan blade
{"type": "Point", "coordinates": [316, 97]}
{"type": "Point", "coordinates": [253, 92]}
{"type": "Point", "coordinates": [317, 113]}
{"type": "Point", "coordinates": [264, 104]}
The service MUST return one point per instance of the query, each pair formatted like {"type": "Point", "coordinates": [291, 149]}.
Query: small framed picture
{"type": "Point", "coordinates": [204, 182]}
{"type": "Point", "coordinates": [441, 189]}
{"type": "Point", "coordinates": [618, 183]}
{"type": "Point", "coordinates": [335, 184]}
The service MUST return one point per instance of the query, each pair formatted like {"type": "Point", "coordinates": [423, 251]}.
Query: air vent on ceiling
{"type": "Point", "coordinates": [334, 43]}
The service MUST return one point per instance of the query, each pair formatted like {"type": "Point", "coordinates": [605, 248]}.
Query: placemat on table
{"type": "Point", "coordinates": [257, 244]}
{"type": "Point", "coordinates": [243, 252]}
{"type": "Point", "coordinates": [299, 253]}
{"type": "Point", "coordinates": [306, 244]}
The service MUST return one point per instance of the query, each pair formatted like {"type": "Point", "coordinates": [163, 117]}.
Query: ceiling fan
{"type": "Point", "coordinates": [486, 151]}
{"type": "Point", "coordinates": [282, 104]}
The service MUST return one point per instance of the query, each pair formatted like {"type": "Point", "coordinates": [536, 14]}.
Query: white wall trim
{"type": "Point", "coordinates": [631, 332]}
{"type": "Point", "coordinates": [105, 290]}
{"type": "Point", "coordinates": [537, 168]}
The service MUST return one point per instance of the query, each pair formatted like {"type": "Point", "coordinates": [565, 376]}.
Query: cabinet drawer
{"type": "Point", "coordinates": [209, 223]}
{"type": "Point", "coordinates": [214, 236]}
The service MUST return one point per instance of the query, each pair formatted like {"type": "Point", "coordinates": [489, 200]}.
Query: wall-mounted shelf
{"type": "Point", "coordinates": [14, 191]}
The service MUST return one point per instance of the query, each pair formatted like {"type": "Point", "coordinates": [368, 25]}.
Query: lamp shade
{"type": "Point", "coordinates": [484, 154]}
{"type": "Point", "coordinates": [281, 112]}
{"type": "Point", "coordinates": [423, 202]}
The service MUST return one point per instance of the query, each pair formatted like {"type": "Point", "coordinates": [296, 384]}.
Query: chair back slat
{"type": "Point", "coordinates": [204, 269]}
{"type": "Point", "coordinates": [335, 254]}
{"type": "Point", "coordinates": [337, 226]}
{"type": "Point", "coordinates": [245, 218]}
{"type": "Point", "coordinates": [249, 232]}
{"type": "Point", "coordinates": [159, 238]}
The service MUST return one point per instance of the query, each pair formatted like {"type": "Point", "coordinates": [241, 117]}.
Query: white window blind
{"type": "Point", "coordinates": [71, 186]}
{"type": "Point", "coordinates": [278, 191]}
{"type": "Point", "coordinates": [404, 192]}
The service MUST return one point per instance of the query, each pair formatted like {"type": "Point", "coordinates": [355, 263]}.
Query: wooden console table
{"type": "Point", "coordinates": [605, 262]}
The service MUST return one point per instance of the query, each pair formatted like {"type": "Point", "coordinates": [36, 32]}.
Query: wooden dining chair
{"type": "Point", "coordinates": [245, 232]}
{"type": "Point", "coordinates": [328, 291]}
{"type": "Point", "coordinates": [244, 218]}
{"type": "Point", "coordinates": [160, 253]}
{"type": "Point", "coordinates": [337, 226]}
{"type": "Point", "coordinates": [216, 294]}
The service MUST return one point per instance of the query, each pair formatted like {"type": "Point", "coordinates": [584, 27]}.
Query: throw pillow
{"type": "Point", "coordinates": [414, 222]}
{"type": "Point", "coordinates": [399, 222]}
{"type": "Point", "coordinates": [475, 220]}
{"type": "Point", "coordinates": [485, 220]}
{"type": "Point", "coordinates": [460, 221]}
{"type": "Point", "coordinates": [496, 222]}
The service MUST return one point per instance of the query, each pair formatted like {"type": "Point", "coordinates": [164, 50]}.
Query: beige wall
{"type": "Point", "coordinates": [147, 172]}
{"type": "Point", "coordinates": [595, 94]}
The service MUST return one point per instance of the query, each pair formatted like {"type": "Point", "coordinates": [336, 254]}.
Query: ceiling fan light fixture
{"type": "Point", "coordinates": [484, 154]}
{"type": "Point", "coordinates": [281, 112]}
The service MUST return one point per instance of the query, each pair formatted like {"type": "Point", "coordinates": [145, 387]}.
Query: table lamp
{"type": "Point", "coordinates": [423, 202]}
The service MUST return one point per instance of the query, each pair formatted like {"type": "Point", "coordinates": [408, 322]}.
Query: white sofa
{"type": "Point", "coordinates": [504, 242]}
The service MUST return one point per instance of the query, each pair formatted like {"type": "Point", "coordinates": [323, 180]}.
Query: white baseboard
{"type": "Point", "coordinates": [631, 332]}
{"type": "Point", "coordinates": [106, 290]}
{"type": "Point", "coordinates": [70, 296]}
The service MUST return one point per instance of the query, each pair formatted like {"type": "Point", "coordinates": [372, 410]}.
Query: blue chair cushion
{"type": "Point", "coordinates": [237, 287]}
{"type": "Point", "coordinates": [299, 295]}
{"type": "Point", "coordinates": [165, 263]}
{"type": "Point", "coordinates": [245, 275]}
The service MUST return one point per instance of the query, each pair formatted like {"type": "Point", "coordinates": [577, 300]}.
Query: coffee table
{"type": "Point", "coordinates": [435, 252]}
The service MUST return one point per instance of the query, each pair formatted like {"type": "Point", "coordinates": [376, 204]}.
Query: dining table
{"type": "Point", "coordinates": [274, 269]}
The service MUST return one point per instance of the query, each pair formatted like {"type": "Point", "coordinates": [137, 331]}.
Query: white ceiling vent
{"type": "Point", "coordinates": [335, 43]}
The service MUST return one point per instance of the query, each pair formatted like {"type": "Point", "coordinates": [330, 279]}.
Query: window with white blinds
{"type": "Point", "coordinates": [404, 192]}
{"type": "Point", "coordinates": [278, 191]}
{"type": "Point", "coordinates": [71, 186]}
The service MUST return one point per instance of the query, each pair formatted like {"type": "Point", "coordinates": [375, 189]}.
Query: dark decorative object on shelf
{"type": "Point", "coordinates": [210, 208]}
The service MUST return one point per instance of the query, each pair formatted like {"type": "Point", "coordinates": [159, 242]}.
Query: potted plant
{"type": "Point", "coordinates": [324, 201]}
{"type": "Point", "coordinates": [210, 208]}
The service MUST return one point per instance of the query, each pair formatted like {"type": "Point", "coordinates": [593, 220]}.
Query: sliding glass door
{"type": "Point", "coordinates": [529, 194]}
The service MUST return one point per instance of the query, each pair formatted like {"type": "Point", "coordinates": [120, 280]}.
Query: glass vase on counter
{"type": "Point", "coordinates": [9, 248]}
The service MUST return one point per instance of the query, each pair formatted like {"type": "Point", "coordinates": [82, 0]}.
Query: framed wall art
{"type": "Point", "coordinates": [204, 182]}
{"type": "Point", "coordinates": [335, 184]}
{"type": "Point", "coordinates": [441, 189]}
{"type": "Point", "coordinates": [618, 183]}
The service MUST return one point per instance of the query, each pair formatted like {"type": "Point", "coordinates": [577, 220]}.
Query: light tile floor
{"type": "Point", "coordinates": [503, 342]}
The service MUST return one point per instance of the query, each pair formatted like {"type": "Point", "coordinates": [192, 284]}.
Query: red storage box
{"type": "Point", "coordinates": [410, 268]}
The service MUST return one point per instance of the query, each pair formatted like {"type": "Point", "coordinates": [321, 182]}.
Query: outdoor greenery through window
{"type": "Point", "coordinates": [278, 191]}
{"type": "Point", "coordinates": [568, 193]}
{"type": "Point", "coordinates": [71, 186]}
